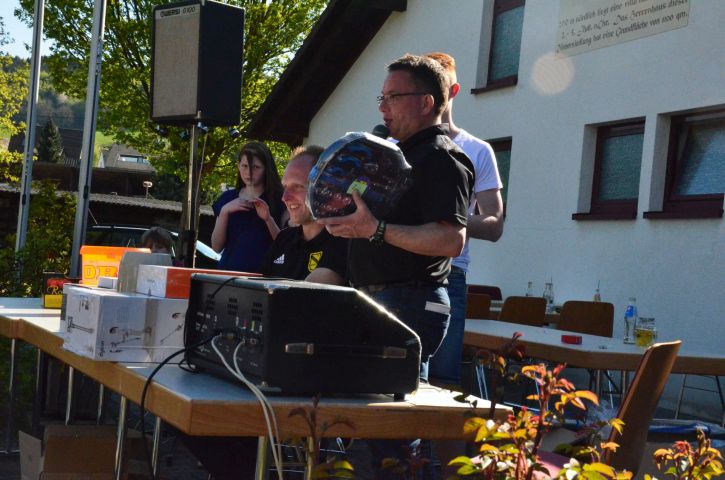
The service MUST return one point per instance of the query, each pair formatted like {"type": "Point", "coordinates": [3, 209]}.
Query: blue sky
{"type": "Point", "coordinates": [19, 33]}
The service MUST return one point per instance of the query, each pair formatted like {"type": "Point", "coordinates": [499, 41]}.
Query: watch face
{"type": "Point", "coordinates": [361, 162]}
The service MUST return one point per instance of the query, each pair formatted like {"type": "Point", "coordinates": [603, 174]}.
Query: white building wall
{"type": "Point", "coordinates": [675, 268]}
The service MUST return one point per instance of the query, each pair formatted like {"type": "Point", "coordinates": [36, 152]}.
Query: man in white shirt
{"type": "Point", "coordinates": [485, 222]}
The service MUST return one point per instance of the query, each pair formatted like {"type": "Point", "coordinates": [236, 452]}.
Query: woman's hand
{"type": "Point", "coordinates": [237, 205]}
{"type": "Point", "coordinates": [262, 208]}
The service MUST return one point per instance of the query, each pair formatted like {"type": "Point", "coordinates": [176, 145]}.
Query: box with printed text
{"type": "Point", "coordinates": [173, 282]}
{"type": "Point", "coordinates": [164, 327]}
{"type": "Point", "coordinates": [105, 325]}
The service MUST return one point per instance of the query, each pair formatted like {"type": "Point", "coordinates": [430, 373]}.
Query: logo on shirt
{"type": "Point", "coordinates": [314, 261]}
{"type": "Point", "coordinates": [279, 260]}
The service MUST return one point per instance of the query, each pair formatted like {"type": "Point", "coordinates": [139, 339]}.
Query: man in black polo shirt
{"type": "Point", "coordinates": [305, 251]}
{"type": "Point", "coordinates": [301, 252]}
{"type": "Point", "coordinates": [403, 259]}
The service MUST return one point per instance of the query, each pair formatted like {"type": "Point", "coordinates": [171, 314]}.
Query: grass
{"type": "Point", "coordinates": [102, 141]}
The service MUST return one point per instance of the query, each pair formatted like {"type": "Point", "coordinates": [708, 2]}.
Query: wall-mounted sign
{"type": "Point", "coordinates": [586, 25]}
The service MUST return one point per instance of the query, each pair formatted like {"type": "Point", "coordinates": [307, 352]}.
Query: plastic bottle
{"type": "Point", "coordinates": [530, 290]}
{"type": "Point", "coordinates": [630, 320]}
{"type": "Point", "coordinates": [549, 296]}
{"type": "Point", "coordinates": [597, 296]}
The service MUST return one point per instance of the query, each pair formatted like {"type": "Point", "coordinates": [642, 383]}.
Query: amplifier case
{"type": "Point", "coordinates": [301, 338]}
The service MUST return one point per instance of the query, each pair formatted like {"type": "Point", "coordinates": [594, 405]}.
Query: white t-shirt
{"type": "Point", "coordinates": [486, 178]}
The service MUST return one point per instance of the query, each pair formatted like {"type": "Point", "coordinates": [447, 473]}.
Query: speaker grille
{"type": "Point", "coordinates": [176, 76]}
{"type": "Point", "coordinates": [197, 63]}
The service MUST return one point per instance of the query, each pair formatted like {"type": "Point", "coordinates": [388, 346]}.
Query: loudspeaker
{"type": "Point", "coordinates": [197, 53]}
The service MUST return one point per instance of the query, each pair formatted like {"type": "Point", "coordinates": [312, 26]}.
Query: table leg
{"type": "Point", "coordinates": [120, 437]}
{"type": "Point", "coordinates": [598, 383]}
{"type": "Point", "coordinates": [99, 410]}
{"type": "Point", "coordinates": [69, 398]}
{"type": "Point", "coordinates": [262, 459]}
{"type": "Point", "coordinates": [41, 371]}
{"type": "Point", "coordinates": [11, 398]}
{"type": "Point", "coordinates": [624, 381]}
{"type": "Point", "coordinates": [155, 445]}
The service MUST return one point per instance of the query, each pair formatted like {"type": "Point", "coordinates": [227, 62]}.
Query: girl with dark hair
{"type": "Point", "coordinates": [247, 217]}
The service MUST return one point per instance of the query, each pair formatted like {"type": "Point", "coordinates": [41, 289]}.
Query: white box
{"type": "Point", "coordinates": [106, 325]}
{"type": "Point", "coordinates": [128, 267]}
{"type": "Point", "coordinates": [68, 289]}
{"type": "Point", "coordinates": [110, 283]}
{"type": "Point", "coordinates": [165, 326]}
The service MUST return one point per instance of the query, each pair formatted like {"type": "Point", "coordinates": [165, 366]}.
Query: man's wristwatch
{"type": "Point", "coordinates": [378, 238]}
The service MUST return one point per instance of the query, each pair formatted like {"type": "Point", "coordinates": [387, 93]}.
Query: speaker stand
{"type": "Point", "coordinates": [188, 240]}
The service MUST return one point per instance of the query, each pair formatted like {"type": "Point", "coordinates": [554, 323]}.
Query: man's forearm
{"type": "Point", "coordinates": [488, 224]}
{"type": "Point", "coordinates": [436, 239]}
{"type": "Point", "coordinates": [485, 227]}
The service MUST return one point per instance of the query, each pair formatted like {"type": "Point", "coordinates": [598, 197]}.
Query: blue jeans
{"type": "Point", "coordinates": [445, 366]}
{"type": "Point", "coordinates": [425, 309]}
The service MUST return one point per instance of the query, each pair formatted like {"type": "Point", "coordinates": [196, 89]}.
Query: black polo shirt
{"type": "Point", "coordinates": [442, 183]}
{"type": "Point", "coordinates": [291, 256]}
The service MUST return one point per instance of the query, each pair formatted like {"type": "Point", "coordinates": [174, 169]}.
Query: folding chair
{"type": "Point", "coordinates": [591, 318]}
{"type": "Point", "coordinates": [636, 411]}
{"type": "Point", "coordinates": [524, 311]}
{"type": "Point", "coordinates": [490, 290]}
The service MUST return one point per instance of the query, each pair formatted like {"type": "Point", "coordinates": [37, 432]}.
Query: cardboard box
{"type": "Point", "coordinates": [78, 452]}
{"type": "Point", "coordinates": [68, 288]}
{"type": "Point", "coordinates": [128, 268]}
{"type": "Point", "coordinates": [53, 288]}
{"type": "Point", "coordinates": [173, 282]}
{"type": "Point", "coordinates": [165, 319]}
{"type": "Point", "coordinates": [105, 325]}
{"type": "Point", "coordinates": [110, 283]}
{"type": "Point", "coordinates": [98, 261]}
{"type": "Point", "coordinates": [127, 327]}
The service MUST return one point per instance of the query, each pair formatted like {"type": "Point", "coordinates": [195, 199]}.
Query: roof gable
{"type": "Point", "coordinates": [342, 33]}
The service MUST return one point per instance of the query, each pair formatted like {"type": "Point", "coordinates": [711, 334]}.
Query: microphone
{"type": "Point", "coordinates": [381, 131]}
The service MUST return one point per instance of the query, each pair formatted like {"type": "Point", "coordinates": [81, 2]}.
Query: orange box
{"type": "Point", "coordinates": [173, 282]}
{"type": "Point", "coordinates": [100, 261]}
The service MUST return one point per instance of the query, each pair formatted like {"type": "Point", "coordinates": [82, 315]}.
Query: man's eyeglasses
{"type": "Point", "coordinates": [391, 98]}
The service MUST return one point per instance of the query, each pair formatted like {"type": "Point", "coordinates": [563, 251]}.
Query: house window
{"type": "Point", "coordinates": [502, 149]}
{"type": "Point", "coordinates": [695, 175]}
{"type": "Point", "coordinates": [617, 164]}
{"type": "Point", "coordinates": [133, 159]}
{"type": "Point", "coordinates": [504, 45]}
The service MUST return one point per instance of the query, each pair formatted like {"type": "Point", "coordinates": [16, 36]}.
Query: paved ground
{"type": "Point", "coordinates": [177, 464]}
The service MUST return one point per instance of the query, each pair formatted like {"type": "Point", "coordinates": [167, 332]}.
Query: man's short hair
{"type": "Point", "coordinates": [312, 150]}
{"type": "Point", "coordinates": [447, 62]}
{"type": "Point", "coordinates": [428, 76]}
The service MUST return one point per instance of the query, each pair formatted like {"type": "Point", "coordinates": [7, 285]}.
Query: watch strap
{"type": "Point", "coordinates": [378, 238]}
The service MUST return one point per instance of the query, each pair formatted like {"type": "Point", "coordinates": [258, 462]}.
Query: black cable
{"type": "Point", "coordinates": [147, 454]}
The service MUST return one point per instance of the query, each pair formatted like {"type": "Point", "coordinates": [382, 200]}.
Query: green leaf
{"type": "Point", "coordinates": [467, 470]}
{"type": "Point", "coordinates": [601, 468]}
{"type": "Point", "coordinates": [462, 460]}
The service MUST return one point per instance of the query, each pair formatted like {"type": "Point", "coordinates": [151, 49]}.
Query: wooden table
{"type": "Point", "coordinates": [198, 404]}
{"type": "Point", "coordinates": [595, 352]}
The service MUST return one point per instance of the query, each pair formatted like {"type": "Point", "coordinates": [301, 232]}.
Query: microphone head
{"type": "Point", "coordinates": [381, 131]}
